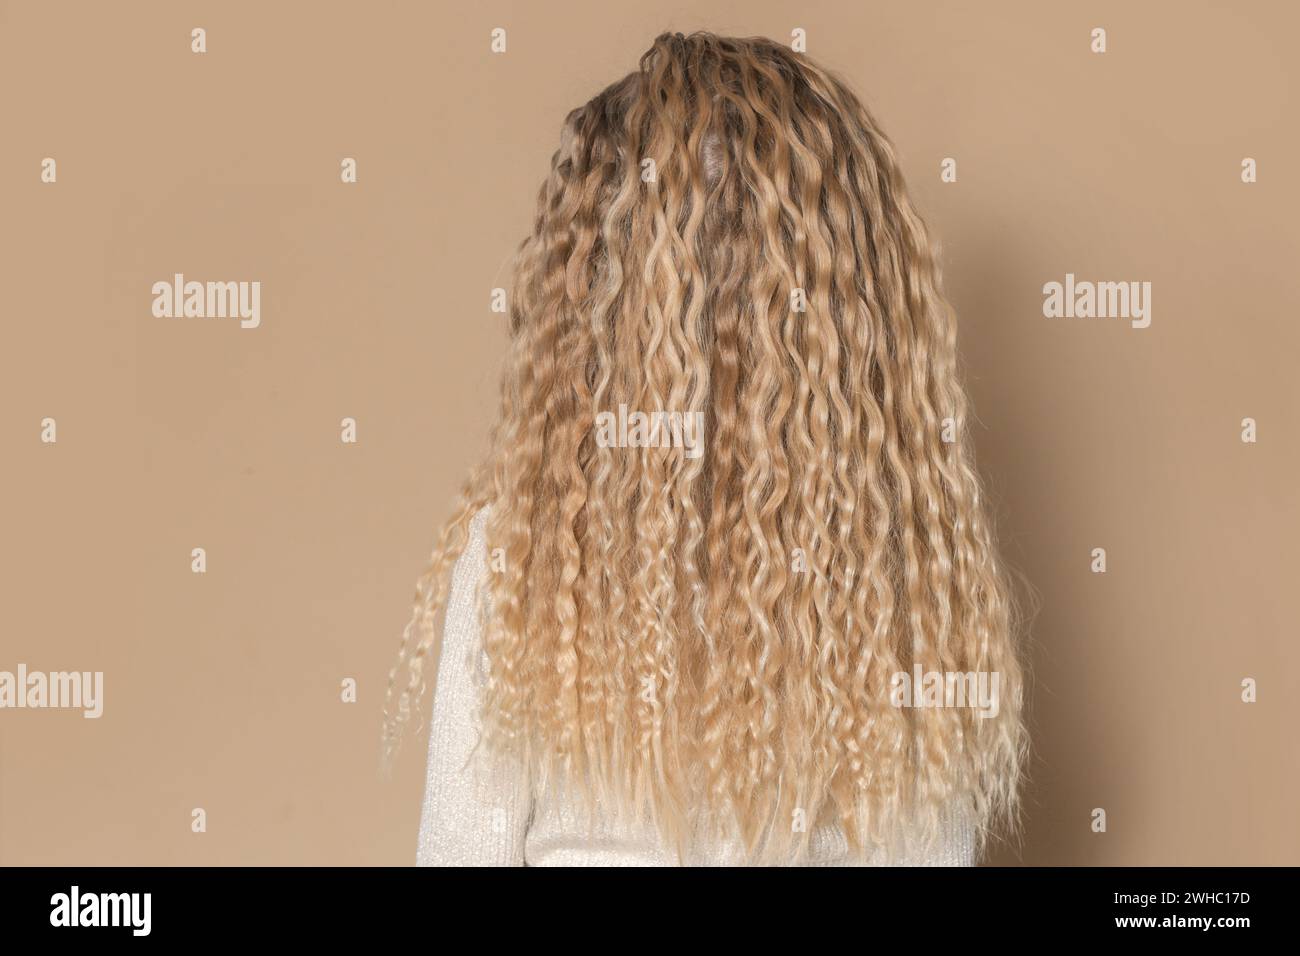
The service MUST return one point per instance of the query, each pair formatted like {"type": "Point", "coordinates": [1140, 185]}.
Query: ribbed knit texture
{"type": "Point", "coordinates": [479, 813]}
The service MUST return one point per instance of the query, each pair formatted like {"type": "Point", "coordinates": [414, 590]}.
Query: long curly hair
{"type": "Point", "coordinates": [712, 639]}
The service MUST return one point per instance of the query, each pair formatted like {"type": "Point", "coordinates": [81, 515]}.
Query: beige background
{"type": "Point", "coordinates": [223, 689]}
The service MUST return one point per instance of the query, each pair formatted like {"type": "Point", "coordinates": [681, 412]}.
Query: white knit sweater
{"type": "Point", "coordinates": [476, 813]}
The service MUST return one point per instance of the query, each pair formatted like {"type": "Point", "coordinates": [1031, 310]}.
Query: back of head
{"type": "Point", "coordinates": [730, 485]}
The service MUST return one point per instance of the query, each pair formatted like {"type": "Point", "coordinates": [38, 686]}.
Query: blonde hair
{"type": "Point", "coordinates": [713, 638]}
